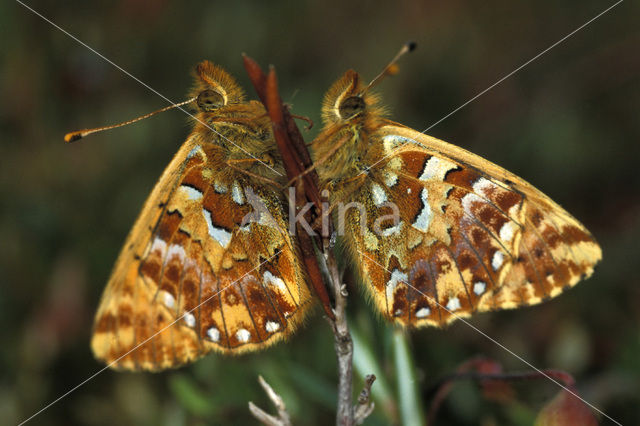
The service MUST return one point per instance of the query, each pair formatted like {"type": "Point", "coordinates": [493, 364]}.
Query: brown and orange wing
{"type": "Point", "coordinates": [195, 276]}
{"type": "Point", "coordinates": [471, 236]}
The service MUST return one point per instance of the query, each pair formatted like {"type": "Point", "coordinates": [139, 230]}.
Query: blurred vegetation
{"type": "Point", "coordinates": [568, 123]}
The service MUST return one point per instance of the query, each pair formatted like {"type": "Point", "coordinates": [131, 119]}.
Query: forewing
{"type": "Point", "coordinates": [471, 237]}
{"type": "Point", "coordinates": [202, 270]}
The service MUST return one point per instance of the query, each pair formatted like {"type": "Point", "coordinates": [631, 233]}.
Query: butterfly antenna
{"type": "Point", "coordinates": [79, 134]}
{"type": "Point", "coordinates": [392, 68]}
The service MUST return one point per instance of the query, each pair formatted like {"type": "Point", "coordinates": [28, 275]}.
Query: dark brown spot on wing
{"type": "Point", "coordinates": [574, 235]}
{"type": "Point", "coordinates": [105, 323]}
{"type": "Point", "coordinates": [505, 200]}
{"type": "Point", "coordinates": [168, 225]}
{"type": "Point", "coordinates": [462, 177]}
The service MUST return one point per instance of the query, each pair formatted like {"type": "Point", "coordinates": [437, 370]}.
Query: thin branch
{"type": "Point", "coordinates": [342, 341]}
{"type": "Point", "coordinates": [283, 418]}
{"type": "Point", "coordinates": [365, 361]}
{"type": "Point", "coordinates": [365, 406]}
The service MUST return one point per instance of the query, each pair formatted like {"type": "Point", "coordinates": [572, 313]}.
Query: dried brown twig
{"type": "Point", "coordinates": [267, 419]}
{"type": "Point", "coordinates": [365, 406]}
{"type": "Point", "coordinates": [298, 165]}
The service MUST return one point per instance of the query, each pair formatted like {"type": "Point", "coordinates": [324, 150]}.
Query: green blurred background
{"type": "Point", "coordinates": [568, 123]}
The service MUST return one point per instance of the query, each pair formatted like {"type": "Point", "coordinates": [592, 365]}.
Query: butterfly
{"type": "Point", "coordinates": [209, 264]}
{"type": "Point", "coordinates": [435, 232]}
{"type": "Point", "coordinates": [444, 232]}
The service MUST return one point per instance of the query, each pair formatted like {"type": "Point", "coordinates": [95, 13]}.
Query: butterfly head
{"type": "Point", "coordinates": [348, 101]}
{"type": "Point", "coordinates": [222, 110]}
{"type": "Point", "coordinates": [214, 88]}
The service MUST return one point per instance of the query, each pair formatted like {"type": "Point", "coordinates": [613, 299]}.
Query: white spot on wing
{"type": "Point", "coordinates": [469, 199]}
{"type": "Point", "coordinates": [436, 168]}
{"type": "Point", "coordinates": [160, 245]}
{"type": "Point", "coordinates": [423, 220]}
{"type": "Point", "coordinates": [390, 179]}
{"type": "Point", "coordinates": [392, 230]}
{"type": "Point", "coordinates": [189, 319]}
{"type": "Point", "coordinates": [167, 299]}
{"type": "Point", "coordinates": [479, 287]}
{"type": "Point", "coordinates": [236, 193]}
{"type": "Point", "coordinates": [397, 276]}
{"type": "Point", "coordinates": [483, 186]}
{"type": "Point", "coordinates": [392, 141]}
{"type": "Point", "coordinates": [269, 278]}
{"type": "Point", "coordinates": [176, 250]}
{"type": "Point", "coordinates": [193, 151]}
{"type": "Point", "coordinates": [497, 260]}
{"type": "Point", "coordinates": [507, 231]}
{"type": "Point", "coordinates": [453, 304]}
{"type": "Point", "coordinates": [243, 335]}
{"type": "Point", "coordinates": [408, 190]}
{"type": "Point", "coordinates": [423, 313]}
{"type": "Point", "coordinates": [213, 334]}
{"type": "Point", "coordinates": [222, 236]}
{"type": "Point", "coordinates": [378, 195]}
{"type": "Point", "coordinates": [272, 326]}
{"type": "Point", "coordinates": [191, 192]}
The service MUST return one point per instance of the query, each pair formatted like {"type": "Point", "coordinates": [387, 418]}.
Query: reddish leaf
{"type": "Point", "coordinates": [566, 409]}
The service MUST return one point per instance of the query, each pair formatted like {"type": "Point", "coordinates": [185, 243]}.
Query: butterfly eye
{"type": "Point", "coordinates": [351, 106]}
{"type": "Point", "coordinates": [209, 100]}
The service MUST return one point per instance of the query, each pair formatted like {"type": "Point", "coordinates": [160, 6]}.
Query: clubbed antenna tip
{"type": "Point", "coordinates": [392, 68]}
{"type": "Point", "coordinates": [79, 134]}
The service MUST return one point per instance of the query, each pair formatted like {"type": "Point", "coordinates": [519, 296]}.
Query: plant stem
{"type": "Point", "coordinates": [408, 395]}
{"type": "Point", "coordinates": [298, 165]}
{"type": "Point", "coordinates": [343, 343]}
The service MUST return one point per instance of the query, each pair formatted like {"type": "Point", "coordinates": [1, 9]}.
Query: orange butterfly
{"type": "Point", "coordinates": [192, 258]}
{"type": "Point", "coordinates": [440, 233]}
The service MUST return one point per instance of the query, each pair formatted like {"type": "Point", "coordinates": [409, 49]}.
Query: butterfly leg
{"type": "Point", "coordinates": [231, 163]}
{"type": "Point", "coordinates": [305, 119]}
{"type": "Point", "coordinates": [266, 159]}
{"type": "Point", "coordinates": [239, 120]}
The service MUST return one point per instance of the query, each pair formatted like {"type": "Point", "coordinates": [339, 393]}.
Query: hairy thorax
{"type": "Point", "coordinates": [241, 140]}
{"type": "Point", "coordinates": [350, 163]}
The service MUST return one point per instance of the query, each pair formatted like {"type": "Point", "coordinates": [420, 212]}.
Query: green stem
{"type": "Point", "coordinates": [411, 411]}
